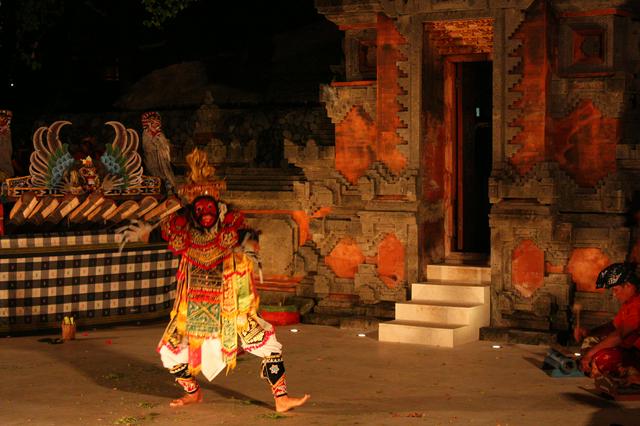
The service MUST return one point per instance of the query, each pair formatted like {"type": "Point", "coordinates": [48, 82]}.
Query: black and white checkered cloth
{"type": "Point", "coordinates": [60, 239]}
{"type": "Point", "coordinates": [96, 286]}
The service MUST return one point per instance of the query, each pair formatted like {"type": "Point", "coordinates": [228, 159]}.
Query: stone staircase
{"type": "Point", "coordinates": [448, 310]}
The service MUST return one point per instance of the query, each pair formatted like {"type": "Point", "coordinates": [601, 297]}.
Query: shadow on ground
{"type": "Point", "coordinates": [112, 369]}
{"type": "Point", "coordinates": [615, 417]}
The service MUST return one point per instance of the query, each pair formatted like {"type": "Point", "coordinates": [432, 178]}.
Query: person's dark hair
{"type": "Point", "coordinates": [618, 274]}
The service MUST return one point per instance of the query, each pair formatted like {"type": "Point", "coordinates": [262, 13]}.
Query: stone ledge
{"type": "Point", "coordinates": [514, 335]}
{"type": "Point", "coordinates": [321, 319]}
{"type": "Point", "coordinates": [361, 323]}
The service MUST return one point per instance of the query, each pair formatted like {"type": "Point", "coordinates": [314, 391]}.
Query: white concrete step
{"type": "Point", "coordinates": [421, 333]}
{"type": "Point", "coordinates": [459, 273]}
{"type": "Point", "coordinates": [445, 291]}
{"type": "Point", "coordinates": [447, 310]}
{"type": "Point", "coordinates": [473, 314]}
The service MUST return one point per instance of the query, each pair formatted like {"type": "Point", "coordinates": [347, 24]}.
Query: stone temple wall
{"type": "Point", "coordinates": [564, 180]}
{"type": "Point", "coordinates": [251, 136]}
{"type": "Point", "coordinates": [339, 236]}
{"type": "Point", "coordinates": [353, 199]}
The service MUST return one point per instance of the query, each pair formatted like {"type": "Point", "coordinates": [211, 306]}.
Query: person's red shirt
{"type": "Point", "coordinates": [629, 317]}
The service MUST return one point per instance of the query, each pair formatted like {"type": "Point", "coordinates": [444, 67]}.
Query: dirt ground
{"type": "Point", "coordinates": [114, 377]}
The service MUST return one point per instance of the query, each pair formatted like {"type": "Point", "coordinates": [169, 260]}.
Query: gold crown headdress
{"type": "Point", "coordinates": [201, 178]}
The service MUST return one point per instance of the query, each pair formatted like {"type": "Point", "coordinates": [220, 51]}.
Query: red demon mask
{"type": "Point", "coordinates": [206, 211]}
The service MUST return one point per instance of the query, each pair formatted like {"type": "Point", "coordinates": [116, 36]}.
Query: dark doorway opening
{"type": "Point", "coordinates": [472, 151]}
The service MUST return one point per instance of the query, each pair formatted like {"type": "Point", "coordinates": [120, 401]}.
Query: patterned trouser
{"type": "Point", "coordinates": [184, 378]}
{"type": "Point", "coordinates": [212, 363]}
{"type": "Point", "coordinates": [616, 362]}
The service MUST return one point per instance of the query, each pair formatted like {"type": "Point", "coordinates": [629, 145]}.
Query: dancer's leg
{"type": "Point", "coordinates": [189, 384]}
{"type": "Point", "coordinates": [270, 350]}
{"type": "Point", "coordinates": [273, 371]}
{"type": "Point", "coordinates": [178, 365]}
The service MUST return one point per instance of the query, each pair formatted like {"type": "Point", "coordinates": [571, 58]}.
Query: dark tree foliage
{"type": "Point", "coordinates": [65, 52]}
{"type": "Point", "coordinates": [82, 55]}
{"type": "Point", "coordinates": [33, 18]}
{"type": "Point", "coordinates": [162, 11]}
{"type": "Point", "coordinates": [24, 23]}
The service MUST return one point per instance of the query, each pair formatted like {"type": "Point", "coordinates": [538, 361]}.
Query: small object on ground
{"type": "Point", "coordinates": [68, 329]}
{"type": "Point", "coordinates": [274, 416]}
{"type": "Point", "coordinates": [411, 414]}
{"type": "Point", "coordinates": [557, 364]}
{"type": "Point", "coordinates": [51, 340]}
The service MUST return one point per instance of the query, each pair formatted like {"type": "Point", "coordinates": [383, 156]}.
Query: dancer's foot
{"type": "Point", "coordinates": [190, 398]}
{"type": "Point", "coordinates": [286, 403]}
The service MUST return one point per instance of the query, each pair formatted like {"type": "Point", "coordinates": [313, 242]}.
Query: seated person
{"type": "Point", "coordinates": [614, 349]}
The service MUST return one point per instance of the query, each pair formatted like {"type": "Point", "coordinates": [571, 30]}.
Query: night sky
{"type": "Point", "coordinates": [93, 51]}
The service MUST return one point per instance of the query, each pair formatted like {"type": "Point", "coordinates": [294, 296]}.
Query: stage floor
{"type": "Point", "coordinates": [114, 376]}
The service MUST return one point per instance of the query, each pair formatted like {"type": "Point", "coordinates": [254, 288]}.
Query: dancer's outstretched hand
{"type": "Point", "coordinates": [134, 232]}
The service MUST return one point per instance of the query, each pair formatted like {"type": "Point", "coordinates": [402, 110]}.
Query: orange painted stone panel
{"type": "Point", "coordinates": [355, 141]}
{"type": "Point", "coordinates": [433, 160]}
{"type": "Point", "coordinates": [584, 266]}
{"type": "Point", "coordinates": [391, 257]}
{"type": "Point", "coordinates": [389, 54]}
{"type": "Point", "coordinates": [554, 269]}
{"type": "Point", "coordinates": [585, 144]}
{"type": "Point", "coordinates": [527, 268]}
{"type": "Point", "coordinates": [534, 84]}
{"type": "Point", "coordinates": [345, 258]}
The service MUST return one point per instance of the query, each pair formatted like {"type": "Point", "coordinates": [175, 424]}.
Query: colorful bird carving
{"type": "Point", "coordinates": [53, 167]}
{"type": "Point", "coordinates": [157, 152]}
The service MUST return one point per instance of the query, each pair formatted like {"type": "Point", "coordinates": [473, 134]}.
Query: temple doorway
{"type": "Point", "coordinates": [470, 149]}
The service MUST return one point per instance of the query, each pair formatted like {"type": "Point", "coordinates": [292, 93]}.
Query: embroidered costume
{"type": "Point", "coordinates": [215, 310]}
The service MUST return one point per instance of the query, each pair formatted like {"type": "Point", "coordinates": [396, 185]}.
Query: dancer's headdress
{"type": "Point", "coordinates": [201, 178]}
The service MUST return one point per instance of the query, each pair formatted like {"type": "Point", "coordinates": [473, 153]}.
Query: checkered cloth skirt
{"type": "Point", "coordinates": [44, 278]}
